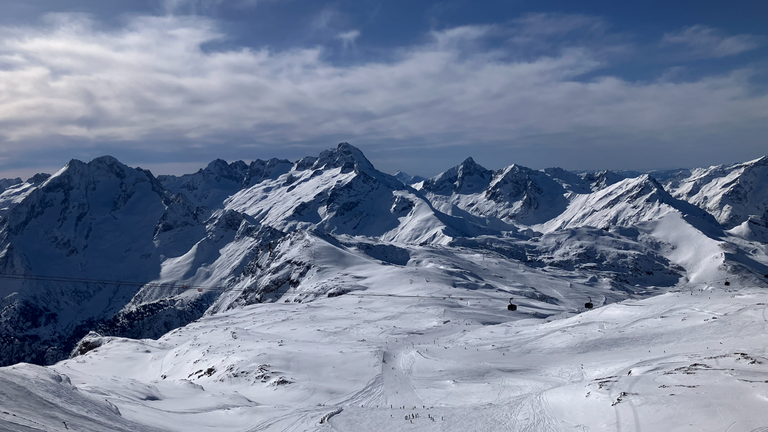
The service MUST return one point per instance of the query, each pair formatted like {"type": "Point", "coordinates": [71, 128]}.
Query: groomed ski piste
{"type": "Point", "coordinates": [690, 358]}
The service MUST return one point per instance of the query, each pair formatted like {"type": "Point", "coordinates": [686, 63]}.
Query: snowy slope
{"type": "Point", "coordinates": [599, 180]}
{"type": "Point", "coordinates": [691, 359]}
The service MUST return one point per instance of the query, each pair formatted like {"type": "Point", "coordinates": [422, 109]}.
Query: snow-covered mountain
{"type": "Point", "coordinates": [7, 183]}
{"type": "Point", "coordinates": [342, 193]}
{"type": "Point", "coordinates": [15, 193]}
{"type": "Point", "coordinates": [291, 295]}
{"type": "Point", "coordinates": [105, 221]}
{"type": "Point", "coordinates": [598, 180]}
{"type": "Point", "coordinates": [212, 185]}
{"type": "Point", "coordinates": [625, 203]}
{"type": "Point", "coordinates": [239, 227]}
{"type": "Point", "coordinates": [730, 193]}
{"type": "Point", "coordinates": [408, 179]}
{"type": "Point", "coordinates": [100, 220]}
{"type": "Point", "coordinates": [512, 195]}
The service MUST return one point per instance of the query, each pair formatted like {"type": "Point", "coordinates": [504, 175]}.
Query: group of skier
{"type": "Point", "coordinates": [412, 417]}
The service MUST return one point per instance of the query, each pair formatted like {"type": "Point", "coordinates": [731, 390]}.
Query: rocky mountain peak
{"type": "Point", "coordinates": [107, 166]}
{"type": "Point", "coordinates": [466, 178]}
{"type": "Point", "coordinates": [599, 180]}
{"type": "Point", "coordinates": [644, 185]}
{"type": "Point", "coordinates": [38, 178]}
{"type": "Point", "coordinates": [345, 156]}
{"type": "Point", "coordinates": [408, 179]}
{"type": "Point", "coordinates": [221, 169]}
{"type": "Point", "coordinates": [260, 170]}
{"type": "Point", "coordinates": [6, 183]}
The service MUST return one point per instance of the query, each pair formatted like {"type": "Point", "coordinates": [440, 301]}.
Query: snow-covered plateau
{"type": "Point", "coordinates": [323, 294]}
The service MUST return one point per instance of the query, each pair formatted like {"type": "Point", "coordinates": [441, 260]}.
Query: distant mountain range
{"type": "Point", "coordinates": [249, 233]}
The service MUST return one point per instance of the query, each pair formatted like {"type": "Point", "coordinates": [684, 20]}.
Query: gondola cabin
{"type": "Point", "coordinates": [727, 283]}
{"type": "Point", "coordinates": [511, 307]}
{"type": "Point", "coordinates": [589, 305]}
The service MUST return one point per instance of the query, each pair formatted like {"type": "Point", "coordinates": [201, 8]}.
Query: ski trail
{"type": "Point", "coordinates": [368, 396]}
{"type": "Point", "coordinates": [396, 379]}
{"type": "Point", "coordinates": [305, 420]}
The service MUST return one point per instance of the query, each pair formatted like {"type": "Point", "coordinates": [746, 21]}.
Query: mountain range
{"type": "Point", "coordinates": [106, 248]}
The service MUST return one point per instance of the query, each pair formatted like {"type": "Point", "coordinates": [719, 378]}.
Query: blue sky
{"type": "Point", "coordinates": [418, 85]}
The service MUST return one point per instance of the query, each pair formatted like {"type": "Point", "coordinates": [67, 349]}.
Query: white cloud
{"type": "Point", "coordinates": [706, 42]}
{"type": "Point", "coordinates": [348, 38]}
{"type": "Point", "coordinates": [151, 80]}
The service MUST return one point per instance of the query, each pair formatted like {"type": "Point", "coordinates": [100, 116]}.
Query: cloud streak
{"type": "Point", "coordinates": [153, 79]}
{"type": "Point", "coordinates": [706, 42]}
{"type": "Point", "coordinates": [348, 38]}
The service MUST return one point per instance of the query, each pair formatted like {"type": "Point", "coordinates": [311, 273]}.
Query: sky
{"type": "Point", "coordinates": [418, 86]}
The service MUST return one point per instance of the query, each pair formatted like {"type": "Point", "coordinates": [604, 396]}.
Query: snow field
{"type": "Point", "coordinates": [689, 359]}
